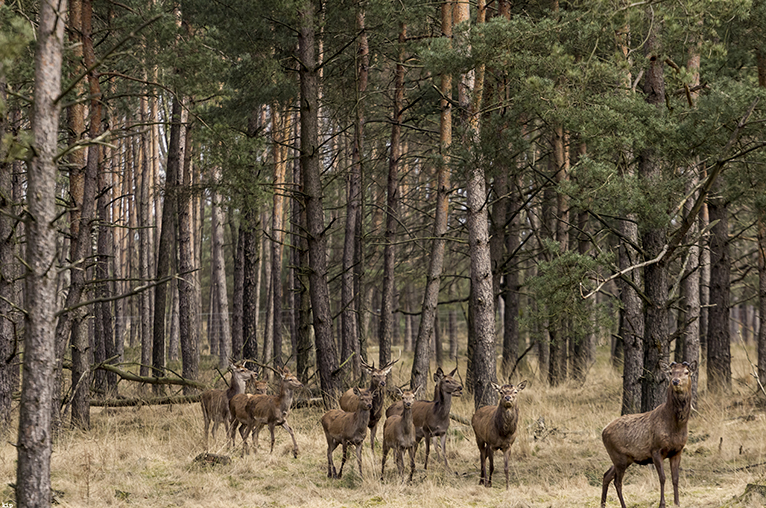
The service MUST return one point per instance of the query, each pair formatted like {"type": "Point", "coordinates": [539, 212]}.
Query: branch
{"type": "Point", "coordinates": [152, 380]}
{"type": "Point", "coordinates": [623, 272]}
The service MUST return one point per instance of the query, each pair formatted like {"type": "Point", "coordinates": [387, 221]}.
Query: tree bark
{"type": "Point", "coordinates": [327, 359]}
{"type": "Point", "coordinates": [249, 238]}
{"type": "Point", "coordinates": [279, 122]}
{"type": "Point", "coordinates": [237, 291]}
{"type": "Point", "coordinates": [33, 482]}
{"type": "Point", "coordinates": [218, 279]}
{"type": "Point", "coordinates": [420, 364]}
{"type": "Point", "coordinates": [392, 211]}
{"type": "Point", "coordinates": [188, 322]}
{"type": "Point", "coordinates": [719, 343]}
{"type": "Point", "coordinates": [166, 241]}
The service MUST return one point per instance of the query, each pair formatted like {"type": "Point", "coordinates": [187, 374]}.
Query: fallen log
{"type": "Point", "coordinates": [145, 401]}
{"type": "Point", "coordinates": [152, 380]}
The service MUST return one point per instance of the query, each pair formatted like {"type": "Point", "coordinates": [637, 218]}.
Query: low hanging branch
{"type": "Point", "coordinates": [152, 380]}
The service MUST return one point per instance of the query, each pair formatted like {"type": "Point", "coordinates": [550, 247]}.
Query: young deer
{"type": "Point", "coordinates": [215, 403]}
{"type": "Point", "coordinates": [495, 428]}
{"type": "Point", "coordinates": [431, 419]}
{"type": "Point", "coordinates": [399, 435]}
{"type": "Point", "coordinates": [346, 428]}
{"type": "Point", "coordinates": [652, 437]}
{"type": "Point", "coordinates": [254, 411]}
{"type": "Point", "coordinates": [349, 401]}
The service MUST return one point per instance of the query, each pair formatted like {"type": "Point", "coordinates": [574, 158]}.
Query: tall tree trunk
{"type": "Point", "coordinates": [761, 214]}
{"type": "Point", "coordinates": [166, 241]}
{"type": "Point", "coordinates": [511, 288]}
{"type": "Point", "coordinates": [33, 468]}
{"type": "Point", "coordinates": [145, 233]}
{"type": "Point", "coordinates": [218, 278]}
{"type": "Point", "coordinates": [301, 297]}
{"type": "Point", "coordinates": [8, 267]}
{"type": "Point", "coordinates": [420, 362]}
{"type": "Point", "coordinates": [656, 345]}
{"type": "Point", "coordinates": [719, 342]}
{"type": "Point", "coordinates": [392, 211]}
{"type": "Point", "coordinates": [327, 359]}
{"type": "Point", "coordinates": [249, 238]}
{"type": "Point", "coordinates": [237, 291]}
{"type": "Point", "coordinates": [279, 121]}
{"type": "Point", "coordinates": [188, 325]}
{"type": "Point", "coordinates": [349, 301]}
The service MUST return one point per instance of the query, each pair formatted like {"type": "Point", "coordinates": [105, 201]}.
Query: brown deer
{"type": "Point", "coordinates": [651, 437]}
{"type": "Point", "coordinates": [431, 419]}
{"type": "Point", "coordinates": [346, 428]}
{"type": "Point", "coordinates": [399, 435]}
{"type": "Point", "coordinates": [495, 428]}
{"type": "Point", "coordinates": [250, 412]}
{"type": "Point", "coordinates": [215, 403]}
{"type": "Point", "coordinates": [349, 401]}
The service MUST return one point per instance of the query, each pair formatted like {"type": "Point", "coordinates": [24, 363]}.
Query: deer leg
{"type": "Point", "coordinates": [343, 461]}
{"type": "Point", "coordinates": [428, 450]}
{"type": "Point", "coordinates": [657, 460]}
{"type": "Point", "coordinates": [331, 446]}
{"type": "Point", "coordinates": [373, 432]}
{"type": "Point", "coordinates": [618, 474]}
{"type": "Point", "coordinates": [483, 463]}
{"type": "Point", "coordinates": [383, 464]}
{"type": "Point", "coordinates": [400, 461]}
{"type": "Point", "coordinates": [292, 435]}
{"type": "Point", "coordinates": [675, 462]}
{"type": "Point", "coordinates": [491, 458]}
{"type": "Point", "coordinates": [411, 451]}
{"type": "Point", "coordinates": [608, 477]}
{"type": "Point", "coordinates": [507, 454]}
{"type": "Point", "coordinates": [359, 457]}
{"type": "Point", "coordinates": [444, 453]}
{"type": "Point", "coordinates": [271, 431]}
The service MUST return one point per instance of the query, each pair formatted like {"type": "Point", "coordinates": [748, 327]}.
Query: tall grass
{"type": "Point", "coordinates": [145, 456]}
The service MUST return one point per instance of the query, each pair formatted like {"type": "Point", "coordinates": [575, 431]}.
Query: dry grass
{"type": "Point", "coordinates": [144, 457]}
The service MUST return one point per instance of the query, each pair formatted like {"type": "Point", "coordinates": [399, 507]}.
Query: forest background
{"type": "Point", "coordinates": [291, 182]}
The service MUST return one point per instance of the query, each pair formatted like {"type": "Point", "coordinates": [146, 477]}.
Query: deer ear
{"type": "Point", "coordinates": [357, 392]}
{"type": "Point", "coordinates": [521, 385]}
{"type": "Point", "coordinates": [693, 366]}
{"type": "Point", "coordinates": [438, 375]}
{"type": "Point", "coordinates": [497, 387]}
{"type": "Point", "coordinates": [453, 372]}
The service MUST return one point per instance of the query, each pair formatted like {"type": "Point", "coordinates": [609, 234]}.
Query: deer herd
{"type": "Point", "coordinates": [646, 438]}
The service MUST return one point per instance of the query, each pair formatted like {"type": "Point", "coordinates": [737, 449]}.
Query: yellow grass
{"type": "Point", "coordinates": [144, 457]}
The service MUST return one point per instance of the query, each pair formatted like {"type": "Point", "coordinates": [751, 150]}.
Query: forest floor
{"type": "Point", "coordinates": [145, 457]}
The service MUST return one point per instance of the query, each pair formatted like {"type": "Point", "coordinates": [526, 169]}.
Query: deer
{"type": "Point", "coordinates": [347, 428]}
{"type": "Point", "coordinates": [252, 412]}
{"type": "Point", "coordinates": [431, 419]}
{"type": "Point", "coordinates": [495, 428]}
{"type": "Point", "coordinates": [652, 437]}
{"type": "Point", "coordinates": [399, 435]}
{"type": "Point", "coordinates": [215, 403]}
{"type": "Point", "coordinates": [349, 401]}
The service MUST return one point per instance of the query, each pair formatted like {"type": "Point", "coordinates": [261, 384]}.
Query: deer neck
{"type": "Point", "coordinates": [236, 386]}
{"type": "Point", "coordinates": [378, 395]}
{"type": "Point", "coordinates": [506, 418]}
{"type": "Point", "coordinates": [679, 405]}
{"type": "Point", "coordinates": [442, 403]}
{"type": "Point", "coordinates": [285, 398]}
{"type": "Point", "coordinates": [362, 417]}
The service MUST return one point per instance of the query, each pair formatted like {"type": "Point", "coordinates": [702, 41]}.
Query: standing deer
{"type": "Point", "coordinates": [651, 437]}
{"type": "Point", "coordinates": [215, 403]}
{"type": "Point", "coordinates": [347, 428]}
{"type": "Point", "coordinates": [495, 428]}
{"type": "Point", "coordinates": [399, 434]}
{"type": "Point", "coordinates": [431, 419]}
{"type": "Point", "coordinates": [349, 401]}
{"type": "Point", "coordinates": [254, 411]}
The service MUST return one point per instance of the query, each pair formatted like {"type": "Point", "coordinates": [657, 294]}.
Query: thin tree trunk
{"type": "Point", "coordinates": [166, 242]}
{"type": "Point", "coordinates": [238, 291]}
{"type": "Point", "coordinates": [33, 481]}
{"type": "Point", "coordinates": [719, 342]}
{"type": "Point", "coordinates": [249, 237]}
{"type": "Point", "coordinates": [145, 233]}
{"type": "Point", "coordinates": [420, 362]}
{"type": "Point", "coordinates": [327, 360]}
{"type": "Point", "coordinates": [392, 211]}
{"type": "Point", "coordinates": [218, 279]}
{"type": "Point", "coordinates": [188, 323]}
{"type": "Point", "coordinates": [656, 345]}
{"type": "Point", "coordinates": [279, 122]}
